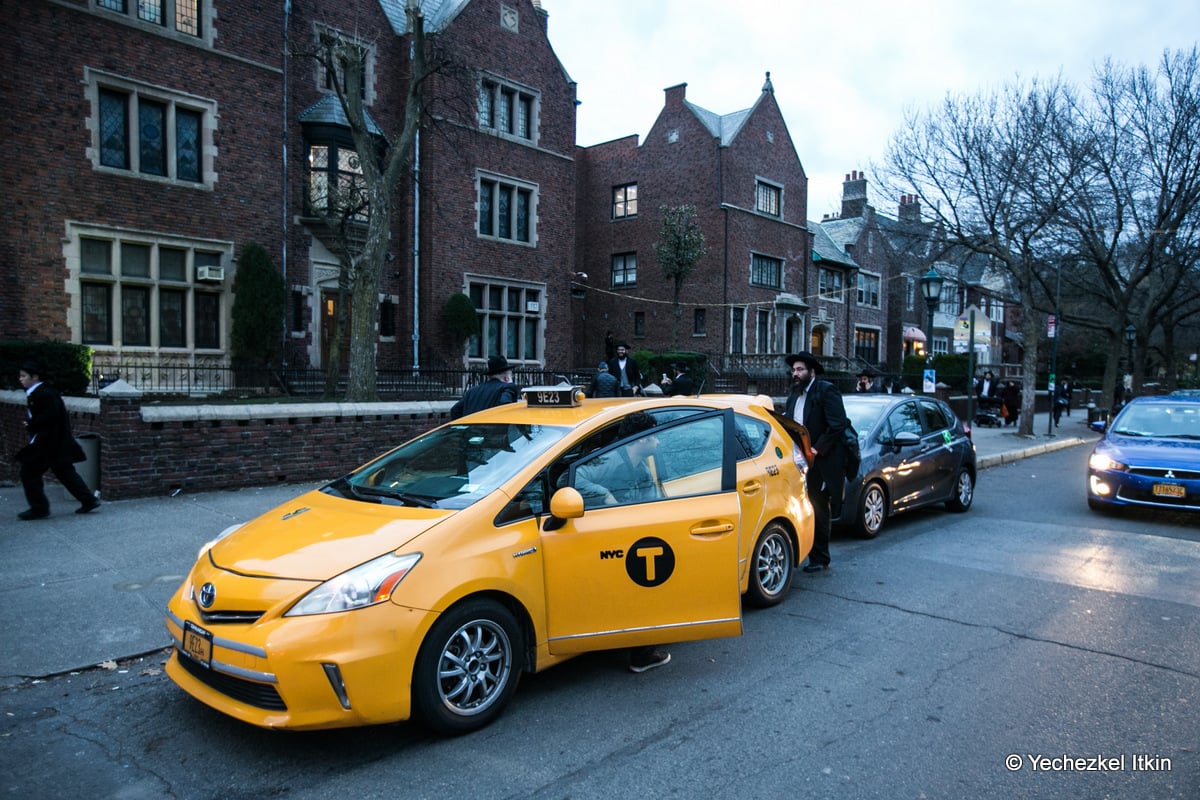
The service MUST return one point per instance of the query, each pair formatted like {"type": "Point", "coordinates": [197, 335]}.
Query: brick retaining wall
{"type": "Point", "coordinates": [148, 449]}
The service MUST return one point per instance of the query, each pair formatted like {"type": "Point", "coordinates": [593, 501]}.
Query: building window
{"type": "Point", "coordinates": [699, 322]}
{"type": "Point", "coordinates": [387, 318]}
{"type": "Point", "coordinates": [639, 324]}
{"type": "Point", "coordinates": [336, 186]}
{"type": "Point", "coordinates": [507, 109]}
{"type": "Point", "coordinates": [624, 270]}
{"type": "Point", "coordinates": [766, 272]}
{"type": "Point", "coordinates": [299, 304]}
{"type": "Point", "coordinates": [763, 330]}
{"type": "Point", "coordinates": [737, 331]}
{"type": "Point", "coordinates": [335, 47]}
{"type": "Point", "coordinates": [830, 285]}
{"type": "Point", "coordinates": [180, 15]}
{"type": "Point", "coordinates": [768, 198]}
{"type": "Point", "coordinates": [866, 345]}
{"type": "Point", "coordinates": [510, 319]}
{"type": "Point", "coordinates": [941, 345]}
{"type": "Point", "coordinates": [506, 209]}
{"type": "Point", "coordinates": [910, 292]}
{"type": "Point", "coordinates": [868, 290]}
{"type": "Point", "coordinates": [145, 292]}
{"type": "Point", "coordinates": [624, 202]}
{"type": "Point", "coordinates": [147, 131]}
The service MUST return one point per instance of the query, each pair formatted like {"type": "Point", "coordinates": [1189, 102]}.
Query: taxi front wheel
{"type": "Point", "coordinates": [771, 566]}
{"type": "Point", "coordinates": [466, 670]}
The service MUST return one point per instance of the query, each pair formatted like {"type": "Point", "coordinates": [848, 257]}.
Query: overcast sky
{"type": "Point", "coordinates": [844, 73]}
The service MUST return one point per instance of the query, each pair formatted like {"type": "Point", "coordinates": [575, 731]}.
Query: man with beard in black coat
{"type": "Point", "coordinates": [817, 405]}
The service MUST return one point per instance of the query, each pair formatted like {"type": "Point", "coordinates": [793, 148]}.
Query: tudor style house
{"type": "Point", "coordinates": [157, 139]}
{"type": "Point", "coordinates": [741, 173]}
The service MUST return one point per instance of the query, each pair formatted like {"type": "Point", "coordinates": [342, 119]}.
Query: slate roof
{"type": "Point", "coordinates": [826, 249]}
{"type": "Point", "coordinates": [438, 13]}
{"type": "Point", "coordinates": [328, 111]}
{"type": "Point", "coordinates": [727, 126]}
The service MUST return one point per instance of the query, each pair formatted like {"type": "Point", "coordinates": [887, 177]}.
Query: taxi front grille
{"type": "Point", "coordinates": [259, 695]}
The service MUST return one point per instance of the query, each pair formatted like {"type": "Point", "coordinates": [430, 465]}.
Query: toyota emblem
{"type": "Point", "coordinates": [208, 593]}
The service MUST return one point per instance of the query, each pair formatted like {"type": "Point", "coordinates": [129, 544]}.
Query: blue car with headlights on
{"type": "Point", "coordinates": [1149, 456]}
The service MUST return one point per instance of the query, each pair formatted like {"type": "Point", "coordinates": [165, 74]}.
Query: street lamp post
{"type": "Point", "coordinates": [931, 290]}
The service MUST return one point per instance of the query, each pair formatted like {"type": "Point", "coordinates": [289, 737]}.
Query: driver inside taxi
{"type": "Point", "coordinates": [624, 475]}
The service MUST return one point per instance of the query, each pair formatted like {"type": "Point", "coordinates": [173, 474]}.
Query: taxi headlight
{"type": "Point", "coordinates": [366, 585]}
{"type": "Point", "coordinates": [1101, 462]}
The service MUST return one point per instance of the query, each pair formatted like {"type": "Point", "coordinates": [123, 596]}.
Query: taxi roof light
{"type": "Point", "coordinates": [564, 395]}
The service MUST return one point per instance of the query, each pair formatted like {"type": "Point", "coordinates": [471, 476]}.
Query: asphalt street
{"type": "Point", "coordinates": [80, 590]}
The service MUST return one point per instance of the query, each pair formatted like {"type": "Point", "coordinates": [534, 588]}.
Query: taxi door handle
{"type": "Point", "coordinates": [712, 529]}
{"type": "Point", "coordinates": [752, 487]}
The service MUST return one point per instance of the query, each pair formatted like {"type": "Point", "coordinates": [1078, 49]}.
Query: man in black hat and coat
{"type": "Point", "coordinates": [817, 405]}
{"type": "Point", "coordinates": [497, 390]}
{"type": "Point", "coordinates": [866, 382]}
{"type": "Point", "coordinates": [51, 447]}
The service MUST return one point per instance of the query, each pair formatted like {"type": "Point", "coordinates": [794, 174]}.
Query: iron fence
{"type": "Point", "coordinates": [221, 380]}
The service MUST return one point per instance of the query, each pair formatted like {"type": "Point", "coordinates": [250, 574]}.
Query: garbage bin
{"type": "Point", "coordinates": [89, 468]}
{"type": "Point", "coordinates": [1097, 414]}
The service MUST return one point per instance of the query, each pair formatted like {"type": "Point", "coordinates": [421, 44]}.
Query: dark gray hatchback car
{"type": "Point", "coordinates": [915, 452]}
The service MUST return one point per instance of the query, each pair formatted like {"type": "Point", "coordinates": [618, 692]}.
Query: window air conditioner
{"type": "Point", "coordinates": [212, 274]}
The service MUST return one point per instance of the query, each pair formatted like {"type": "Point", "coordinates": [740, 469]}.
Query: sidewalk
{"type": "Point", "coordinates": [76, 590]}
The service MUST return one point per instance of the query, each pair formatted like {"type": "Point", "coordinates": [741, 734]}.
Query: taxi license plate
{"type": "Point", "coordinates": [1169, 490]}
{"type": "Point", "coordinates": [197, 643]}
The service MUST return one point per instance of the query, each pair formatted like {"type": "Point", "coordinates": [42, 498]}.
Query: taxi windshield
{"type": "Point", "coordinates": [451, 467]}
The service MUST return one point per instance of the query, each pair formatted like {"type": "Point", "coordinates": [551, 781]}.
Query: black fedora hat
{"type": "Point", "coordinates": [867, 372]}
{"type": "Point", "coordinates": [497, 364]}
{"type": "Point", "coordinates": [809, 360]}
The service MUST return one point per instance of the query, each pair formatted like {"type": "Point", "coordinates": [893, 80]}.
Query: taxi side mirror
{"type": "Point", "coordinates": [567, 503]}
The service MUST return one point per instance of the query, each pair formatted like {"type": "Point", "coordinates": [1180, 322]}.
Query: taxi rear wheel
{"type": "Point", "coordinates": [771, 566]}
{"type": "Point", "coordinates": [466, 670]}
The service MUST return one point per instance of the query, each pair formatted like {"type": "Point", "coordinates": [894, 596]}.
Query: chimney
{"type": "Point", "coordinates": [676, 95]}
{"type": "Point", "coordinates": [854, 194]}
{"type": "Point", "coordinates": [910, 208]}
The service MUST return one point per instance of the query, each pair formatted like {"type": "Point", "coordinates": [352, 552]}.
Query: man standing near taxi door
{"type": "Point", "coordinates": [817, 405]}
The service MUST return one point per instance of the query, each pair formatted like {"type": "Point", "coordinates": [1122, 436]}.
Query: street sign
{"type": "Point", "coordinates": [1051, 325]}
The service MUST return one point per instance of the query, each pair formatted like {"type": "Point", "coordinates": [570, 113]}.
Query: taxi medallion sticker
{"type": "Point", "coordinates": [649, 561]}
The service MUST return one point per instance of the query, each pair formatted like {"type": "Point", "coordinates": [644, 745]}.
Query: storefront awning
{"type": "Point", "coordinates": [914, 334]}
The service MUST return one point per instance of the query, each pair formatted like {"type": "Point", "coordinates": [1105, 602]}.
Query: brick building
{"type": "Point", "coordinates": [154, 140]}
{"type": "Point", "coordinates": [742, 174]}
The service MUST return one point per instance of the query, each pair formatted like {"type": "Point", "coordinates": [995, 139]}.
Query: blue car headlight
{"type": "Point", "coordinates": [1101, 462]}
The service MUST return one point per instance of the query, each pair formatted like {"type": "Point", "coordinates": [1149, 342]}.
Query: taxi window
{"type": "Point", "coordinates": [751, 434]}
{"type": "Point", "coordinates": [676, 461]}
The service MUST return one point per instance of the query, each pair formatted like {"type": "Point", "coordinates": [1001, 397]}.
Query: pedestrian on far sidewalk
{"type": "Point", "coordinates": [51, 447]}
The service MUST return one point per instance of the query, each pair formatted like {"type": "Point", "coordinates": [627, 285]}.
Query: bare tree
{"type": "Point", "coordinates": [368, 202]}
{"type": "Point", "coordinates": [995, 171]}
{"type": "Point", "coordinates": [679, 249]}
{"type": "Point", "coordinates": [1133, 222]}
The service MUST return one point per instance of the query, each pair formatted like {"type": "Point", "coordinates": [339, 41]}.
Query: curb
{"type": "Point", "coordinates": [984, 462]}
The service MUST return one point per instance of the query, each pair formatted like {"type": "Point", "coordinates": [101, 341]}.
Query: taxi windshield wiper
{"type": "Point", "coordinates": [347, 489]}
{"type": "Point", "coordinates": [404, 497]}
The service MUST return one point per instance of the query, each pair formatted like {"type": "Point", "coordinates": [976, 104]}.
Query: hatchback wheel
{"type": "Point", "coordinates": [466, 670]}
{"type": "Point", "coordinates": [770, 566]}
{"type": "Point", "coordinates": [964, 492]}
{"type": "Point", "coordinates": [872, 511]}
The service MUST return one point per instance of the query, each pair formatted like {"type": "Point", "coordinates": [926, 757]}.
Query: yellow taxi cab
{"type": "Point", "coordinates": [423, 584]}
